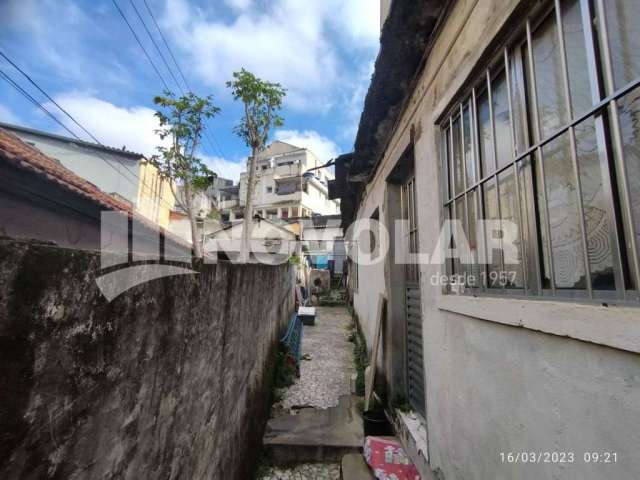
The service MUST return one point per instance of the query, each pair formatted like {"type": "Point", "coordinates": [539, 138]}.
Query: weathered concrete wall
{"type": "Point", "coordinates": [172, 379]}
{"type": "Point", "coordinates": [503, 374]}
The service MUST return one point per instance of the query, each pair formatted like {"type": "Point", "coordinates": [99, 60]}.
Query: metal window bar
{"type": "Point", "coordinates": [480, 212]}
{"type": "Point", "coordinates": [599, 108]}
{"type": "Point", "coordinates": [495, 171]}
{"type": "Point", "coordinates": [611, 100]}
{"type": "Point", "coordinates": [574, 152]}
{"type": "Point", "coordinates": [516, 176]}
{"type": "Point", "coordinates": [603, 105]}
{"type": "Point", "coordinates": [464, 185]}
{"type": "Point", "coordinates": [601, 138]}
{"type": "Point", "coordinates": [539, 158]}
{"type": "Point", "coordinates": [528, 189]}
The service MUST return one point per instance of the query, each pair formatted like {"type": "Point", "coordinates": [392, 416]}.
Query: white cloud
{"type": "Point", "coordinates": [360, 19]}
{"type": "Point", "coordinates": [225, 168]}
{"type": "Point", "coordinates": [292, 42]}
{"type": "Point", "coordinates": [239, 4]}
{"type": "Point", "coordinates": [322, 147]}
{"type": "Point", "coordinates": [114, 126]}
{"type": "Point", "coordinates": [132, 127]}
{"type": "Point", "coordinates": [7, 115]}
{"type": "Point", "coordinates": [354, 102]}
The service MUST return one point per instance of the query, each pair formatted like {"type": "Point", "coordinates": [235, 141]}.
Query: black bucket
{"type": "Point", "coordinates": [376, 424]}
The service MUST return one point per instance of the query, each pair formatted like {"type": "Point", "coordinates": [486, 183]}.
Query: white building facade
{"type": "Point", "coordinates": [282, 190]}
{"type": "Point", "coordinates": [525, 113]}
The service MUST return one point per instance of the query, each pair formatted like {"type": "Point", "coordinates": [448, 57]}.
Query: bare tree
{"type": "Point", "coordinates": [262, 100]}
{"type": "Point", "coordinates": [182, 120]}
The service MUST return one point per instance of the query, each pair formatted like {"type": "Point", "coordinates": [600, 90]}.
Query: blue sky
{"type": "Point", "coordinates": [83, 54]}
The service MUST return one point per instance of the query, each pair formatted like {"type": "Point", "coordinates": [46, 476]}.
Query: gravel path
{"type": "Point", "coordinates": [325, 377]}
{"type": "Point", "coordinates": [304, 471]}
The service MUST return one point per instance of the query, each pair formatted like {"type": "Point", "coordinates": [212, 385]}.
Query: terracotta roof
{"type": "Point", "coordinates": [23, 155]}
{"type": "Point", "coordinates": [174, 215]}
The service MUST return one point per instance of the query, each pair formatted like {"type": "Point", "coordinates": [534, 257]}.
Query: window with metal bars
{"type": "Point", "coordinates": [549, 138]}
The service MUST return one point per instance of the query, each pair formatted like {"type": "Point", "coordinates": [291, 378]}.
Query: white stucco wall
{"type": "Point", "coordinates": [504, 375]}
{"type": "Point", "coordinates": [109, 172]}
{"type": "Point", "coordinates": [278, 163]}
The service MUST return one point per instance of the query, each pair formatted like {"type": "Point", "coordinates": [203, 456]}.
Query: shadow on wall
{"type": "Point", "coordinates": [165, 381]}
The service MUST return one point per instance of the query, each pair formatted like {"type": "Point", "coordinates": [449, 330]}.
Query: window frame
{"type": "Point", "coordinates": [603, 112]}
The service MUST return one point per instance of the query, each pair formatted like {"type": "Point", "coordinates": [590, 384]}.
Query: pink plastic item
{"type": "Point", "coordinates": [387, 459]}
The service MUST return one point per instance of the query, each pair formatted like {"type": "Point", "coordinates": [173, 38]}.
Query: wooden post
{"type": "Point", "coordinates": [374, 353]}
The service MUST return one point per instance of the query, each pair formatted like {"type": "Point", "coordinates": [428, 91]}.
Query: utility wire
{"type": "Point", "coordinates": [166, 44]}
{"type": "Point", "coordinates": [135, 9]}
{"type": "Point", "coordinates": [208, 135]}
{"type": "Point", "coordinates": [26, 94]}
{"type": "Point", "coordinates": [155, 68]}
{"type": "Point", "coordinates": [51, 115]}
{"type": "Point", "coordinates": [49, 98]}
{"type": "Point", "coordinates": [141, 46]}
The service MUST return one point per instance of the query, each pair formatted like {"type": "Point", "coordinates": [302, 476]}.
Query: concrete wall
{"type": "Point", "coordinates": [385, 6]}
{"type": "Point", "coordinates": [120, 176]}
{"type": "Point", "coordinates": [501, 375]}
{"type": "Point", "coordinates": [172, 379]}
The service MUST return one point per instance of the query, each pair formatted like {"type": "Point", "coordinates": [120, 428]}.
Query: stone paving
{"type": "Point", "coordinates": [305, 471]}
{"type": "Point", "coordinates": [325, 376]}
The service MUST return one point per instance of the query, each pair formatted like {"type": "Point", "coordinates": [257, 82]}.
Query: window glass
{"type": "Point", "coordinates": [472, 268]}
{"type": "Point", "coordinates": [528, 222]}
{"type": "Point", "coordinates": [624, 39]}
{"type": "Point", "coordinates": [500, 99]}
{"type": "Point", "coordinates": [579, 86]}
{"type": "Point", "coordinates": [485, 137]}
{"type": "Point", "coordinates": [512, 276]}
{"type": "Point", "coordinates": [562, 199]}
{"type": "Point", "coordinates": [494, 256]}
{"type": "Point", "coordinates": [547, 60]}
{"type": "Point", "coordinates": [457, 157]}
{"type": "Point", "coordinates": [461, 215]}
{"type": "Point", "coordinates": [597, 226]}
{"type": "Point", "coordinates": [629, 114]}
{"type": "Point", "coordinates": [468, 149]}
{"type": "Point", "coordinates": [449, 168]}
{"type": "Point", "coordinates": [517, 96]}
{"type": "Point", "coordinates": [560, 224]}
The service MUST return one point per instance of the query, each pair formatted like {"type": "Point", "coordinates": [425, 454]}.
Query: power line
{"type": "Point", "coordinates": [28, 96]}
{"type": "Point", "coordinates": [51, 115]}
{"type": "Point", "coordinates": [141, 46]}
{"type": "Point", "coordinates": [156, 45]}
{"type": "Point", "coordinates": [166, 44]}
{"type": "Point", "coordinates": [149, 56]}
{"type": "Point", "coordinates": [48, 97]}
{"type": "Point", "coordinates": [208, 136]}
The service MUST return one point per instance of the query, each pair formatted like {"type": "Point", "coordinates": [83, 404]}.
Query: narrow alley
{"type": "Point", "coordinates": [317, 420]}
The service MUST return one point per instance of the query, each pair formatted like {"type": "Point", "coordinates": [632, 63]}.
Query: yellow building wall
{"type": "Point", "coordinates": [155, 199]}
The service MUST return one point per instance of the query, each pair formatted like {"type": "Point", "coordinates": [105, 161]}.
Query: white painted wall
{"type": "Point", "coordinates": [281, 161]}
{"type": "Point", "coordinates": [504, 375]}
{"type": "Point", "coordinates": [110, 172]}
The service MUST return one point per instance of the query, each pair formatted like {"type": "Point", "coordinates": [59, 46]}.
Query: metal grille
{"type": "Point", "coordinates": [414, 353]}
{"type": "Point", "coordinates": [547, 138]}
{"type": "Point", "coordinates": [415, 356]}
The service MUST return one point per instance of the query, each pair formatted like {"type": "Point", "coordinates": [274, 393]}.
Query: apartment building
{"type": "Point", "coordinates": [285, 188]}
{"type": "Point", "coordinates": [525, 113]}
